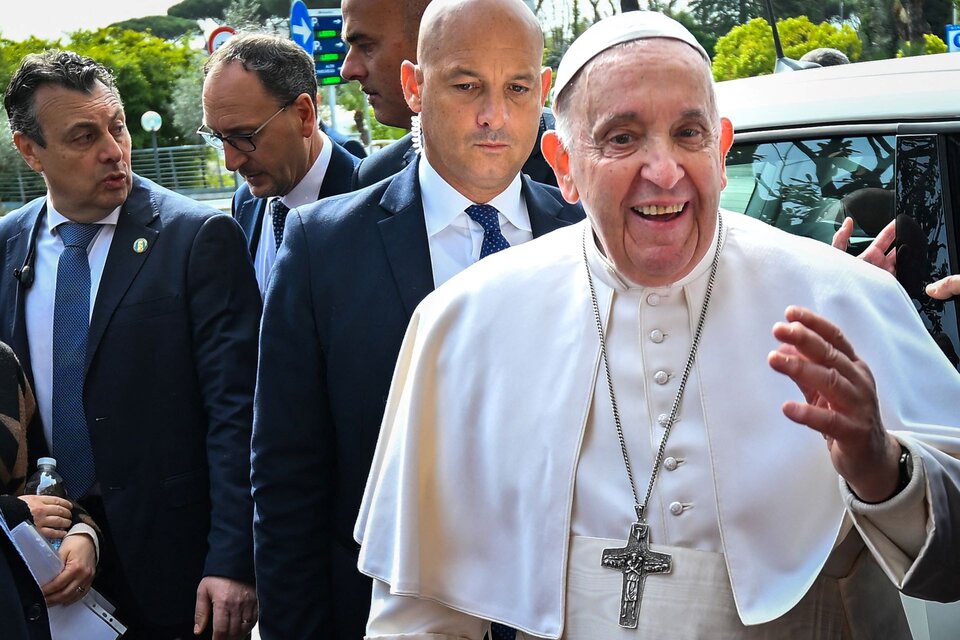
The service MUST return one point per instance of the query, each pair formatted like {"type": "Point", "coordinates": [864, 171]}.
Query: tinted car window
{"type": "Point", "coordinates": [808, 187]}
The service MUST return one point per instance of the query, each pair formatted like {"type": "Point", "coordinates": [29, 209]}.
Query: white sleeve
{"type": "Point", "coordinates": [396, 617]}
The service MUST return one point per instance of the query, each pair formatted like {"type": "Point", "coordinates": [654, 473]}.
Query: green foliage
{"type": "Point", "coordinates": [930, 44]}
{"type": "Point", "coordinates": [748, 49]}
{"type": "Point", "coordinates": [197, 9]}
{"type": "Point", "coordinates": [166, 27]}
{"type": "Point", "coordinates": [145, 66]}
{"type": "Point", "coordinates": [186, 103]}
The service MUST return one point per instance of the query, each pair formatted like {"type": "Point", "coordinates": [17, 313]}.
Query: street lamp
{"type": "Point", "coordinates": [151, 121]}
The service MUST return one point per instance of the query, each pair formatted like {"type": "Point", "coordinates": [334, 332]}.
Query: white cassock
{"type": "Point", "coordinates": [498, 478]}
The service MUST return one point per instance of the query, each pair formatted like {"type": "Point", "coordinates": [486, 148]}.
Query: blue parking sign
{"type": "Point", "coordinates": [953, 37]}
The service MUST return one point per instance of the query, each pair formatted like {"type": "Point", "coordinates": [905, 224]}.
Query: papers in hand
{"type": "Point", "coordinates": [91, 618]}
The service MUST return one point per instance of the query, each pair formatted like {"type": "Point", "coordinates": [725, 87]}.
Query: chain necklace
{"type": "Point", "coordinates": [635, 561]}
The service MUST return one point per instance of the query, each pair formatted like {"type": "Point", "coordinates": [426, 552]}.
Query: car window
{"type": "Point", "coordinates": [808, 187]}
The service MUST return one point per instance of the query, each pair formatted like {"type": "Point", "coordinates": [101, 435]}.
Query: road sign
{"type": "Point", "coordinates": [218, 36]}
{"type": "Point", "coordinates": [329, 50]}
{"type": "Point", "coordinates": [953, 37]}
{"type": "Point", "coordinates": [301, 26]}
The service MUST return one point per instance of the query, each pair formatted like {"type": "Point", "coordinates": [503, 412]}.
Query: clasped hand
{"type": "Point", "coordinates": [841, 401]}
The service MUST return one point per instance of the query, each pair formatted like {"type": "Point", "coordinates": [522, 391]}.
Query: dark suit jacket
{"type": "Point", "coordinates": [249, 209]}
{"type": "Point", "coordinates": [355, 147]}
{"type": "Point", "coordinates": [348, 277]}
{"type": "Point", "coordinates": [171, 364]}
{"type": "Point", "coordinates": [393, 158]}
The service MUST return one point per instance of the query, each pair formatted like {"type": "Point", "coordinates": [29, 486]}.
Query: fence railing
{"type": "Point", "coordinates": [191, 169]}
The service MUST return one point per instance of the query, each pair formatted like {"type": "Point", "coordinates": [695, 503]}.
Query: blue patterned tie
{"type": "Point", "coordinates": [278, 211]}
{"type": "Point", "coordinates": [71, 324]}
{"type": "Point", "coordinates": [488, 218]}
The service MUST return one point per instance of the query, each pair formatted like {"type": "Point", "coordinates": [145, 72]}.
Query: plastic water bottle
{"type": "Point", "coordinates": [47, 482]}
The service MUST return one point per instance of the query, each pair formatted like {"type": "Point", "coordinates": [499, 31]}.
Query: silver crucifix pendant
{"type": "Point", "coordinates": [635, 561]}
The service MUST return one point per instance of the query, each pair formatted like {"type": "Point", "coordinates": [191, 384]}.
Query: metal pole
{"type": "Point", "coordinates": [332, 101]}
{"type": "Point", "coordinates": [773, 26]}
{"type": "Point", "coordinates": [156, 155]}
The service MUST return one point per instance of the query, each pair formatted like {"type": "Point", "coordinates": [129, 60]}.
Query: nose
{"type": "Point", "coordinates": [233, 158]}
{"type": "Point", "coordinates": [493, 111]}
{"type": "Point", "coordinates": [353, 68]}
{"type": "Point", "coordinates": [112, 151]}
{"type": "Point", "coordinates": [660, 164]}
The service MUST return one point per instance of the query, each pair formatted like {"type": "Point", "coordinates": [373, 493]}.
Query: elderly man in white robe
{"type": "Point", "coordinates": [694, 448]}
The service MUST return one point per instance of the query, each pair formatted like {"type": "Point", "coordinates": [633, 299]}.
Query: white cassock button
{"type": "Point", "coordinates": [662, 419]}
{"type": "Point", "coordinates": [653, 299]}
{"type": "Point", "coordinates": [661, 377]}
{"type": "Point", "coordinates": [670, 464]}
{"type": "Point", "coordinates": [676, 508]}
{"type": "Point", "coordinates": [656, 336]}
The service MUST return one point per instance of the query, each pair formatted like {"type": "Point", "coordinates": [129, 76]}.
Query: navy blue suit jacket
{"type": "Point", "coordinates": [168, 391]}
{"type": "Point", "coordinates": [347, 279]}
{"type": "Point", "coordinates": [249, 209]}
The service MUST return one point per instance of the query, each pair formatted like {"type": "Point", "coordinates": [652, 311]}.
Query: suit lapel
{"type": "Point", "coordinates": [339, 173]}
{"type": "Point", "coordinates": [123, 262]}
{"type": "Point", "coordinates": [404, 235]}
{"type": "Point", "coordinates": [18, 246]}
{"type": "Point", "coordinates": [542, 208]}
{"type": "Point", "coordinates": [249, 214]}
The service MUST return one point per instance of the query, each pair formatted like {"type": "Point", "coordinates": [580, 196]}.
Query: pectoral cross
{"type": "Point", "coordinates": [635, 561]}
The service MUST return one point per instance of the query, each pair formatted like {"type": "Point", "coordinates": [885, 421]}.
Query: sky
{"type": "Point", "coordinates": [20, 19]}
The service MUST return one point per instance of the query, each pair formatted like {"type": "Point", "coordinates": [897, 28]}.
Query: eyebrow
{"type": "Point", "coordinates": [92, 124]}
{"type": "Point", "coordinates": [350, 38]}
{"type": "Point", "coordinates": [466, 71]}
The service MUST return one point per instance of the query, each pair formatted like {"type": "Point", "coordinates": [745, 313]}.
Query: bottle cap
{"type": "Point", "coordinates": [50, 461]}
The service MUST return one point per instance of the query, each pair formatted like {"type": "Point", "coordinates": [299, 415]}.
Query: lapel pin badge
{"type": "Point", "coordinates": [140, 245]}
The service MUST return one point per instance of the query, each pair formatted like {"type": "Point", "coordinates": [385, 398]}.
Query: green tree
{"type": "Point", "coordinates": [197, 9]}
{"type": "Point", "coordinates": [748, 49]}
{"type": "Point", "coordinates": [145, 66]}
{"type": "Point", "coordinates": [927, 45]}
{"type": "Point", "coordinates": [166, 27]}
{"type": "Point", "coordinates": [186, 104]}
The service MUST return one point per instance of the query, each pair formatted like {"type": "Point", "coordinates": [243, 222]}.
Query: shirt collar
{"type": "Point", "coordinates": [307, 190]}
{"type": "Point", "coordinates": [442, 204]}
{"type": "Point", "coordinates": [55, 218]}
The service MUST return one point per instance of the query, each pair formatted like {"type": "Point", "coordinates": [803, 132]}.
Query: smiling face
{"type": "Point", "coordinates": [86, 161]}
{"type": "Point", "coordinates": [380, 39]}
{"type": "Point", "coordinates": [645, 157]}
{"type": "Point", "coordinates": [479, 89]}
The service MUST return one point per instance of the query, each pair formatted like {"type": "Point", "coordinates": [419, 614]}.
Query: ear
{"type": "Point", "coordinates": [726, 141]}
{"type": "Point", "coordinates": [411, 79]}
{"type": "Point", "coordinates": [28, 147]}
{"type": "Point", "coordinates": [306, 111]}
{"type": "Point", "coordinates": [546, 75]}
{"type": "Point", "coordinates": [558, 158]}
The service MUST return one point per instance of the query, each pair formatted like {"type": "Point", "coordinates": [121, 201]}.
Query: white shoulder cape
{"type": "Point", "coordinates": [469, 498]}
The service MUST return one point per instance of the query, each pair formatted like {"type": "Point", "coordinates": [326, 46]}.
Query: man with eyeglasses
{"type": "Point", "coordinates": [260, 108]}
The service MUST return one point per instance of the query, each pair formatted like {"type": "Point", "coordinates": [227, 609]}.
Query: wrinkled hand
{"type": "Point", "coordinates": [51, 515]}
{"type": "Point", "coordinates": [232, 604]}
{"type": "Point", "coordinates": [80, 564]}
{"type": "Point", "coordinates": [944, 289]}
{"type": "Point", "coordinates": [841, 401]}
{"type": "Point", "coordinates": [878, 253]}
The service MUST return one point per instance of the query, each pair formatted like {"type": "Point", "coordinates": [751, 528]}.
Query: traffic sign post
{"type": "Point", "coordinates": [953, 37]}
{"type": "Point", "coordinates": [329, 50]}
{"type": "Point", "coordinates": [218, 36]}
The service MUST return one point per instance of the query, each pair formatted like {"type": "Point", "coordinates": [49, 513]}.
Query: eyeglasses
{"type": "Point", "coordinates": [240, 142]}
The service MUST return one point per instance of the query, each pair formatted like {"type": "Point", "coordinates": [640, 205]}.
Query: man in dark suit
{"type": "Point", "coordinates": [350, 273]}
{"type": "Point", "coordinates": [260, 108]}
{"type": "Point", "coordinates": [134, 312]}
{"type": "Point", "coordinates": [382, 34]}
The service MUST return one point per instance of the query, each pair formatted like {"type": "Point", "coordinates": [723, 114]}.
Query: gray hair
{"type": "Point", "coordinates": [60, 68]}
{"type": "Point", "coordinates": [826, 57]}
{"type": "Point", "coordinates": [283, 67]}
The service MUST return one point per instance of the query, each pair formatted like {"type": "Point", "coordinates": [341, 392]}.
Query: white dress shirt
{"type": "Point", "coordinates": [42, 295]}
{"type": "Point", "coordinates": [305, 192]}
{"type": "Point", "coordinates": [454, 238]}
